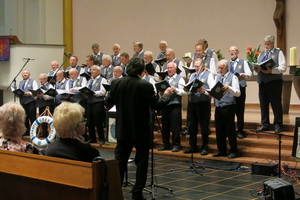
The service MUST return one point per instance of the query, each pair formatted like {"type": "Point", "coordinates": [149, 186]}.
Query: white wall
{"type": "Point", "coordinates": [42, 55]}
{"type": "Point", "coordinates": [181, 23]}
{"type": "Point", "coordinates": [33, 21]}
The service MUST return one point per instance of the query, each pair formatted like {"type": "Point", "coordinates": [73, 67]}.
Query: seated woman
{"type": "Point", "coordinates": [12, 126]}
{"type": "Point", "coordinates": [70, 125]}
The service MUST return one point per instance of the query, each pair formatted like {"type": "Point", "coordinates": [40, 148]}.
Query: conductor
{"type": "Point", "coordinates": [133, 98]}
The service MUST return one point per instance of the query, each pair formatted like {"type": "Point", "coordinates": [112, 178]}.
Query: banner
{"type": "Point", "coordinates": [4, 49]}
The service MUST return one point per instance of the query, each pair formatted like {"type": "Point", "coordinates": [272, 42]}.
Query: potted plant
{"type": "Point", "coordinates": [296, 81]}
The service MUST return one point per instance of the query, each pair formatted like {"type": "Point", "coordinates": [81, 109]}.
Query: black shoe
{"type": "Point", "coordinates": [232, 155]}
{"type": "Point", "coordinates": [278, 129]}
{"type": "Point", "coordinates": [204, 152]}
{"type": "Point", "coordinates": [190, 149]}
{"type": "Point", "coordinates": [138, 198]}
{"type": "Point", "coordinates": [92, 141]}
{"type": "Point", "coordinates": [102, 142]}
{"type": "Point", "coordinates": [164, 148]}
{"type": "Point", "coordinates": [240, 135]}
{"type": "Point", "coordinates": [262, 129]}
{"type": "Point", "coordinates": [176, 148]}
{"type": "Point", "coordinates": [219, 154]}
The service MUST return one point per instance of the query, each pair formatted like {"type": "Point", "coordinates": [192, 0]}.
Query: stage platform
{"type": "Point", "coordinates": [256, 147]}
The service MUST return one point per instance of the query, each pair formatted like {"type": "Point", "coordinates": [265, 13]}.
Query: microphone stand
{"type": "Point", "coordinates": [152, 185]}
{"type": "Point", "coordinates": [67, 57]}
{"type": "Point", "coordinates": [193, 164]}
{"type": "Point", "coordinates": [14, 82]}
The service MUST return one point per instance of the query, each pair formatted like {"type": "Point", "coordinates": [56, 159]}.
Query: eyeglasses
{"type": "Point", "coordinates": [84, 121]}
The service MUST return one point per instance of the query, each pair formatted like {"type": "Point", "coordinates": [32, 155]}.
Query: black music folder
{"type": "Point", "coordinates": [268, 64]}
{"type": "Point", "coordinates": [194, 85]}
{"type": "Point", "coordinates": [86, 75]}
{"type": "Point", "coordinates": [161, 61]}
{"type": "Point", "coordinates": [66, 74]}
{"type": "Point", "coordinates": [51, 78]}
{"type": "Point", "coordinates": [51, 92]}
{"type": "Point", "coordinates": [36, 92]}
{"type": "Point", "coordinates": [178, 71]}
{"type": "Point", "coordinates": [237, 74]}
{"type": "Point", "coordinates": [106, 86]}
{"type": "Point", "coordinates": [150, 68]}
{"type": "Point", "coordinates": [189, 70]}
{"type": "Point", "coordinates": [162, 74]}
{"type": "Point", "coordinates": [86, 90]}
{"type": "Point", "coordinates": [18, 92]}
{"type": "Point", "coordinates": [216, 91]}
{"type": "Point", "coordinates": [162, 86]}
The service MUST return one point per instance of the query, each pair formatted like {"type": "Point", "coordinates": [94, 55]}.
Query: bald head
{"type": "Point", "coordinates": [73, 73]}
{"type": "Point", "coordinates": [59, 76]}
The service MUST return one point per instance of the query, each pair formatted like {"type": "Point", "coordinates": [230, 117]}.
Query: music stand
{"type": "Point", "coordinates": [126, 182]}
{"type": "Point", "coordinates": [279, 146]}
{"type": "Point", "coordinates": [192, 167]}
{"type": "Point", "coordinates": [152, 185]}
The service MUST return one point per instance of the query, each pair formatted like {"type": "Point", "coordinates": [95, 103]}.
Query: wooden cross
{"type": "Point", "coordinates": [280, 22]}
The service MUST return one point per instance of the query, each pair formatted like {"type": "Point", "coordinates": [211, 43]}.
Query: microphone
{"type": "Point", "coordinates": [68, 54]}
{"type": "Point", "coordinates": [28, 59]}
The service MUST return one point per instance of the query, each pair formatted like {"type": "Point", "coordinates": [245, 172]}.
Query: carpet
{"type": "Point", "coordinates": [219, 164]}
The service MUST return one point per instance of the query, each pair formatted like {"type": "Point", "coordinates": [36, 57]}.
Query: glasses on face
{"type": "Point", "coordinates": [84, 121]}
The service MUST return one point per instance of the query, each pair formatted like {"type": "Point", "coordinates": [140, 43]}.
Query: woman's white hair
{"type": "Point", "coordinates": [12, 121]}
{"type": "Point", "coordinates": [66, 119]}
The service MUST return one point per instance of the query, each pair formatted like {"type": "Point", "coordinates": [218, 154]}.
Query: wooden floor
{"type": "Point", "coordinates": [256, 147]}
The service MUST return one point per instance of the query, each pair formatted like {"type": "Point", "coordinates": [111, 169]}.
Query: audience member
{"type": "Point", "coordinates": [69, 124]}
{"type": "Point", "coordinates": [12, 126]}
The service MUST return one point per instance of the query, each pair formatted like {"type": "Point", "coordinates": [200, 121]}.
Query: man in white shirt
{"type": "Point", "coordinates": [270, 85]}
{"type": "Point", "coordinates": [107, 69]}
{"type": "Point", "coordinates": [95, 105]}
{"type": "Point", "coordinates": [97, 54]}
{"type": "Point", "coordinates": [241, 69]}
{"type": "Point", "coordinates": [27, 101]}
{"type": "Point", "coordinates": [171, 115]}
{"type": "Point", "coordinates": [225, 111]}
{"type": "Point", "coordinates": [199, 108]}
{"type": "Point", "coordinates": [116, 55]}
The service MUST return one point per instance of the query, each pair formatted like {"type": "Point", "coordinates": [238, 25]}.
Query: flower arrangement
{"type": "Point", "coordinates": [219, 55]}
{"type": "Point", "coordinates": [252, 54]}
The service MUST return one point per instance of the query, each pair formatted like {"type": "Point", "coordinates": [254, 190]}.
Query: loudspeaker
{"type": "Point", "coordinates": [278, 189]}
{"type": "Point", "coordinates": [264, 169]}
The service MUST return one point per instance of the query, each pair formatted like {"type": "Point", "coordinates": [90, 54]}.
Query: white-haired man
{"type": "Point", "coordinates": [107, 69]}
{"type": "Point", "coordinates": [270, 85]}
{"type": "Point", "coordinates": [171, 115]}
{"type": "Point", "coordinates": [116, 55]}
{"type": "Point", "coordinates": [95, 105]}
{"type": "Point", "coordinates": [241, 69]}
{"type": "Point", "coordinates": [225, 111]}
{"type": "Point", "coordinates": [163, 47]}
